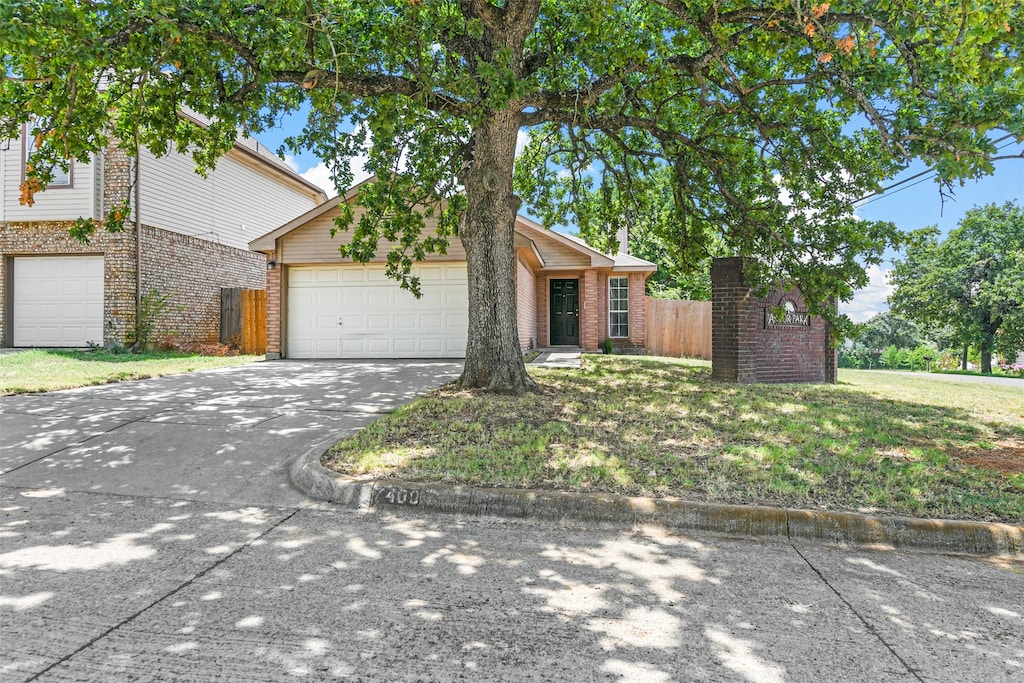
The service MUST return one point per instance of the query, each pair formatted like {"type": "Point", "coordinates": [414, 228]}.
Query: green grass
{"type": "Point", "coordinates": [46, 370]}
{"type": "Point", "coordinates": [996, 372]}
{"type": "Point", "coordinates": [880, 443]}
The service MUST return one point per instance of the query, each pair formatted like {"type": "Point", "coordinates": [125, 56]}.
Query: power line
{"type": "Point", "coordinates": [927, 172]}
{"type": "Point", "coordinates": [875, 198]}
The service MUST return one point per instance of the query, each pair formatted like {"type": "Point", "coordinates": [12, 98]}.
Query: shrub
{"type": "Point", "coordinates": [198, 348]}
{"type": "Point", "coordinates": [892, 357]}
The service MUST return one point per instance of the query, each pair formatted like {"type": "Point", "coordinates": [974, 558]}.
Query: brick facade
{"type": "Point", "coordinates": [593, 295]}
{"type": "Point", "coordinates": [526, 305]}
{"type": "Point", "coordinates": [637, 310]}
{"type": "Point", "coordinates": [589, 311]}
{"type": "Point", "coordinates": [275, 277]}
{"type": "Point", "coordinates": [190, 270]}
{"type": "Point", "coordinates": [746, 347]}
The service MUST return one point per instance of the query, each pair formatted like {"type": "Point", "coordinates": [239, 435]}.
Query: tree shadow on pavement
{"type": "Point", "coordinates": [100, 587]}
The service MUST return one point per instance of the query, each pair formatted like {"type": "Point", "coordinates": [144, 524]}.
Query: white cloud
{"type": "Point", "coordinates": [522, 140]}
{"type": "Point", "coordinates": [320, 174]}
{"type": "Point", "coordinates": [870, 300]}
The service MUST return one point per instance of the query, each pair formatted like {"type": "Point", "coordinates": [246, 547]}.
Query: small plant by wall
{"type": "Point", "coordinates": [153, 305]}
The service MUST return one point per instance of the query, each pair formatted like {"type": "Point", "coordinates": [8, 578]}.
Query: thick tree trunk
{"type": "Point", "coordinates": [963, 358]}
{"type": "Point", "coordinates": [988, 344]}
{"type": "Point", "coordinates": [494, 360]}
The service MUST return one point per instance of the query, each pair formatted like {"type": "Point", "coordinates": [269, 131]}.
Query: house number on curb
{"type": "Point", "coordinates": [398, 496]}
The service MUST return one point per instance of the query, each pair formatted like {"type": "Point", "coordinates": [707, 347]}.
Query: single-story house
{"type": "Point", "coordinates": [192, 240]}
{"type": "Point", "coordinates": [320, 305]}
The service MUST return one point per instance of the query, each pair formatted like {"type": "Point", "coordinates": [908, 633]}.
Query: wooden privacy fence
{"type": "Point", "coordinates": [243, 319]}
{"type": "Point", "coordinates": [678, 328]}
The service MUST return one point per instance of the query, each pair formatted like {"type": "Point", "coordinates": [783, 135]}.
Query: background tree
{"type": "Point", "coordinates": [649, 219]}
{"type": "Point", "coordinates": [972, 281]}
{"type": "Point", "coordinates": [889, 329]}
{"type": "Point", "coordinates": [741, 101]}
{"type": "Point", "coordinates": [868, 340]}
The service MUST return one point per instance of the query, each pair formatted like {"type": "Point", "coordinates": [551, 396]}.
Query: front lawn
{"type": "Point", "coordinates": [879, 443]}
{"type": "Point", "coordinates": [46, 370]}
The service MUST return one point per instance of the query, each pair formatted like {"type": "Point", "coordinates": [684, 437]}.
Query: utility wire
{"type": "Point", "coordinates": [927, 172]}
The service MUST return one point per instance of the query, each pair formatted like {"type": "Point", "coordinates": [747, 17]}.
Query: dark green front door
{"type": "Point", "coordinates": [565, 312]}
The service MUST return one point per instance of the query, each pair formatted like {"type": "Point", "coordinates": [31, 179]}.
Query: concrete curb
{"type": "Point", "coordinates": [836, 528]}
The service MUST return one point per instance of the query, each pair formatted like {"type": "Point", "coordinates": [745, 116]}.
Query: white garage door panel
{"type": "Point", "coordinates": [358, 312]}
{"type": "Point", "coordinates": [58, 300]}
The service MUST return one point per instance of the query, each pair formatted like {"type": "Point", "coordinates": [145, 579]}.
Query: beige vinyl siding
{"type": "Point", "coordinates": [236, 202]}
{"type": "Point", "coordinates": [526, 305]}
{"type": "Point", "coordinates": [55, 204]}
{"type": "Point", "coordinates": [558, 256]}
{"type": "Point", "coordinates": [312, 243]}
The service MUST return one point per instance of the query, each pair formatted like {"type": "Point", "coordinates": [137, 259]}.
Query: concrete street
{"type": "Point", "coordinates": [148, 532]}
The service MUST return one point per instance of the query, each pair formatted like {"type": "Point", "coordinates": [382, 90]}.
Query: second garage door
{"type": "Point", "coordinates": [358, 312]}
{"type": "Point", "coordinates": [58, 300]}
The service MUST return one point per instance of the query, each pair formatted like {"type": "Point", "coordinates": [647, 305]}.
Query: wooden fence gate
{"type": "Point", "coordinates": [243, 319]}
{"type": "Point", "coordinates": [678, 328]}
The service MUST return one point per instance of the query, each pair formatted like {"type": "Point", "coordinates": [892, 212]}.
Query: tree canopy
{"type": "Point", "coordinates": [972, 281]}
{"type": "Point", "coordinates": [765, 119]}
{"type": "Point", "coordinates": [889, 329]}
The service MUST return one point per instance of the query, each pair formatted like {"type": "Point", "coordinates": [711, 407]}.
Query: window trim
{"type": "Point", "coordinates": [612, 311]}
{"type": "Point", "coordinates": [69, 185]}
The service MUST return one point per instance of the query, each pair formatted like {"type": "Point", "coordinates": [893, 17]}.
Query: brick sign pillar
{"type": "Point", "coordinates": [769, 339]}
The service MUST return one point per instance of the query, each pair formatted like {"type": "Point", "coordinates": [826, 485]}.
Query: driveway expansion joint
{"type": "Point", "coordinates": [867, 624]}
{"type": "Point", "coordinates": [188, 582]}
{"type": "Point", "coordinates": [587, 509]}
{"type": "Point", "coordinates": [143, 419]}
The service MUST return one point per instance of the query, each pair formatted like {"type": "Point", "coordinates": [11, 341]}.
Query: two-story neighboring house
{"type": "Point", "coordinates": [187, 238]}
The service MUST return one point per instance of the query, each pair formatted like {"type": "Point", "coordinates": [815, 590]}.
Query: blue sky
{"type": "Point", "coordinates": [918, 204]}
{"type": "Point", "coordinates": [913, 205]}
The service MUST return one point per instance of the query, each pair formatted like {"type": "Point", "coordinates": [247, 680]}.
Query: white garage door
{"type": "Point", "coordinates": [58, 300]}
{"type": "Point", "coordinates": [357, 312]}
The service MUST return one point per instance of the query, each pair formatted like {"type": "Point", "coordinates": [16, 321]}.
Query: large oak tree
{"type": "Point", "coordinates": [971, 281]}
{"type": "Point", "coordinates": [769, 117]}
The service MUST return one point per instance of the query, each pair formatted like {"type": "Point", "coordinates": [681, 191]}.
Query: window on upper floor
{"type": "Point", "coordinates": [618, 307]}
{"type": "Point", "coordinates": [61, 178]}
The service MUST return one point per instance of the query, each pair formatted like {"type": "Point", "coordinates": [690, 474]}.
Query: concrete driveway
{"type": "Point", "coordinates": [219, 435]}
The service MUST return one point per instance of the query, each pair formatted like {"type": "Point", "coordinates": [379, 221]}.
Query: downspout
{"type": "Point", "coordinates": [138, 242]}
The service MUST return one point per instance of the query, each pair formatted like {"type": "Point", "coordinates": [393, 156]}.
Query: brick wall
{"type": "Point", "coordinates": [637, 339]}
{"type": "Point", "coordinates": [117, 177]}
{"type": "Point", "coordinates": [589, 311]}
{"type": "Point", "coordinates": [637, 311]}
{"type": "Point", "coordinates": [192, 272]}
{"type": "Point", "coordinates": [526, 305]}
{"type": "Point", "coordinates": [543, 291]}
{"type": "Point", "coordinates": [274, 310]}
{"type": "Point", "coordinates": [745, 348]}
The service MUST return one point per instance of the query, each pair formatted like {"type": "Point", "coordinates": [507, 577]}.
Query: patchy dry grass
{"type": "Point", "coordinates": [659, 427]}
{"type": "Point", "coordinates": [47, 370]}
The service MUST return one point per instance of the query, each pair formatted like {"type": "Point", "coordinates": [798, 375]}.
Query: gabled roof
{"type": "Point", "coordinates": [528, 229]}
{"type": "Point", "coordinates": [267, 242]}
{"type": "Point", "coordinates": [598, 259]}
